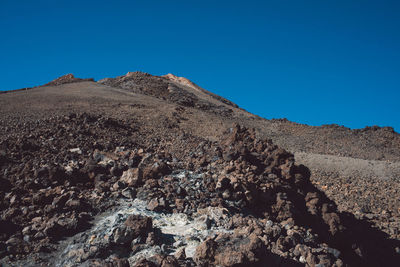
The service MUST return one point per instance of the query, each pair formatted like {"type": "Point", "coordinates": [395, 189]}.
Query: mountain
{"type": "Point", "coordinates": [143, 170]}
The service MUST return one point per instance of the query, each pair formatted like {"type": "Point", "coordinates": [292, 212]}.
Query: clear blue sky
{"type": "Point", "coordinates": [314, 62]}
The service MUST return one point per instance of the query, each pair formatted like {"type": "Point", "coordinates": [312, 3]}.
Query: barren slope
{"type": "Point", "coordinates": [175, 121]}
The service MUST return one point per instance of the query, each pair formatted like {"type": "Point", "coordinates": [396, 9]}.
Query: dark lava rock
{"type": "Point", "coordinates": [140, 225]}
{"type": "Point", "coordinates": [246, 185]}
{"type": "Point", "coordinates": [5, 185]}
{"type": "Point", "coordinates": [145, 263]}
{"type": "Point", "coordinates": [228, 250]}
{"type": "Point", "coordinates": [135, 226]}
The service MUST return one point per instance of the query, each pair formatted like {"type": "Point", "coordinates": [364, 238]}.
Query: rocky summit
{"type": "Point", "coordinates": [143, 170]}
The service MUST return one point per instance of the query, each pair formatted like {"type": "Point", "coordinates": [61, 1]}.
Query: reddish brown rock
{"type": "Point", "coordinates": [229, 250]}
{"type": "Point", "coordinates": [132, 177]}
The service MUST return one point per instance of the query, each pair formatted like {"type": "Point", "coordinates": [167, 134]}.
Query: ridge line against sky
{"type": "Point", "coordinates": [313, 62]}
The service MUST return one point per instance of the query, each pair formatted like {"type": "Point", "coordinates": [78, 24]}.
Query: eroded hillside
{"type": "Point", "coordinates": [141, 170]}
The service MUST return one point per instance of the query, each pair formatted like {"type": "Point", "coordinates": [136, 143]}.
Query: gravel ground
{"type": "Point", "coordinates": [170, 118]}
{"type": "Point", "coordinates": [367, 188]}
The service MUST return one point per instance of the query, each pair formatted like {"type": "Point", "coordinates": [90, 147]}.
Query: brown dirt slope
{"type": "Point", "coordinates": [372, 143]}
{"type": "Point", "coordinates": [173, 118]}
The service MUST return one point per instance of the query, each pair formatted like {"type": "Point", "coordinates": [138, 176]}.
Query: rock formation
{"type": "Point", "coordinates": [125, 178]}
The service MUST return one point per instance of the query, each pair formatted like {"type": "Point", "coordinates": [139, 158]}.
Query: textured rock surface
{"type": "Point", "coordinates": [144, 171]}
{"type": "Point", "coordinates": [68, 78]}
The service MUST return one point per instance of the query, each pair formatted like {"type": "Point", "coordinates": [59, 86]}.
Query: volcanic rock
{"type": "Point", "coordinates": [131, 170]}
{"type": "Point", "coordinates": [67, 78]}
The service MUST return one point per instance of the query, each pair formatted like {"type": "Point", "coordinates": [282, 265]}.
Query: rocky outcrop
{"type": "Point", "coordinates": [239, 201]}
{"type": "Point", "coordinates": [181, 80]}
{"type": "Point", "coordinates": [67, 78]}
{"type": "Point", "coordinates": [186, 82]}
{"type": "Point", "coordinates": [166, 88]}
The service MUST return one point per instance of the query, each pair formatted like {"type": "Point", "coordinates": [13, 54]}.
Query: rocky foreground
{"type": "Point", "coordinates": [141, 170]}
{"type": "Point", "coordinates": [83, 190]}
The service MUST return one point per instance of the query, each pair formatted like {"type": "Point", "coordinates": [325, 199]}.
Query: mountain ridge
{"type": "Point", "coordinates": [70, 78]}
